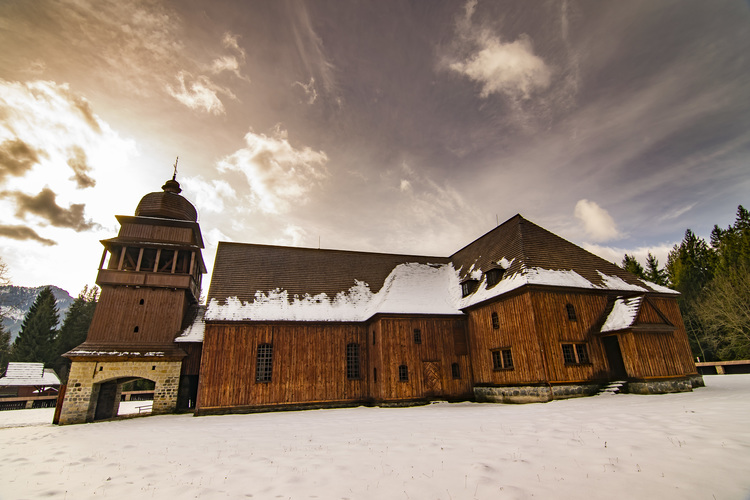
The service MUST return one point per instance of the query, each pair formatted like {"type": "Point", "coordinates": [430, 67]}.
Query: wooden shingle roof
{"type": "Point", "coordinates": [242, 269]}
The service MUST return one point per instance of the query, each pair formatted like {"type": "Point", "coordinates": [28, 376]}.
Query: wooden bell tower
{"type": "Point", "coordinates": [150, 279]}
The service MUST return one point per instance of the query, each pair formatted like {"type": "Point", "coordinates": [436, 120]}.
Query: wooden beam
{"type": "Point", "coordinates": [123, 250]}
{"type": "Point", "coordinates": [104, 258]}
{"type": "Point", "coordinates": [192, 262]}
{"type": "Point", "coordinates": [156, 262]}
{"type": "Point", "coordinates": [174, 261]}
{"type": "Point", "coordinates": [140, 258]}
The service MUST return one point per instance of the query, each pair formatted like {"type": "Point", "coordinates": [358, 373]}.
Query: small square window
{"type": "Point", "coordinates": [502, 359]}
{"type": "Point", "coordinates": [264, 363]}
{"type": "Point", "coordinates": [352, 361]}
{"type": "Point", "coordinates": [403, 373]}
{"type": "Point", "coordinates": [495, 321]}
{"type": "Point", "coordinates": [417, 336]}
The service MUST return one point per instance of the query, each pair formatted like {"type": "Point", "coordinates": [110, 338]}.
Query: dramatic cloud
{"type": "Point", "coordinates": [44, 205]}
{"type": "Point", "coordinates": [23, 233]}
{"type": "Point", "coordinates": [16, 158]}
{"type": "Point", "coordinates": [310, 48]}
{"type": "Point", "coordinates": [597, 222]}
{"type": "Point", "coordinates": [279, 175]}
{"type": "Point", "coordinates": [79, 163]}
{"type": "Point", "coordinates": [616, 254]}
{"type": "Point", "coordinates": [509, 68]}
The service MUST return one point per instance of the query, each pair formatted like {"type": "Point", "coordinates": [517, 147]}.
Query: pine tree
{"type": "Point", "coordinates": [36, 340]}
{"type": "Point", "coordinates": [75, 327]}
{"type": "Point", "coordinates": [4, 347]}
{"type": "Point", "coordinates": [631, 265]}
{"type": "Point", "coordinates": [653, 273]}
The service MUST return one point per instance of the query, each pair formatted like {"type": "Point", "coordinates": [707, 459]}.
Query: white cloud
{"type": "Point", "coordinates": [309, 89]}
{"type": "Point", "coordinates": [201, 94]}
{"type": "Point", "coordinates": [208, 195]}
{"type": "Point", "coordinates": [293, 236]}
{"type": "Point", "coordinates": [405, 185]}
{"type": "Point", "coordinates": [509, 68]}
{"type": "Point", "coordinates": [279, 174]}
{"type": "Point", "coordinates": [597, 222]}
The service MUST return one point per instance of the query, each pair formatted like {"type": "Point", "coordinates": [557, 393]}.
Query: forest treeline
{"type": "Point", "coordinates": [713, 279]}
{"type": "Point", "coordinates": [40, 340]}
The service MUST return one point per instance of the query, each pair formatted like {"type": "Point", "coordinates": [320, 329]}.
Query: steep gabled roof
{"type": "Point", "coordinates": [240, 270]}
{"type": "Point", "coordinates": [526, 246]}
{"type": "Point", "coordinates": [262, 282]}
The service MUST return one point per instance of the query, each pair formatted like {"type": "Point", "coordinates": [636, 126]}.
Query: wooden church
{"type": "Point", "coordinates": [519, 315]}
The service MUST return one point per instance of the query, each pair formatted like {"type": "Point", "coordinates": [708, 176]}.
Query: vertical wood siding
{"type": "Point", "coordinates": [309, 364]}
{"type": "Point", "coordinates": [119, 311]}
{"type": "Point", "coordinates": [144, 232]}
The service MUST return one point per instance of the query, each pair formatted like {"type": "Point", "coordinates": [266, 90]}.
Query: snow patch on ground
{"type": "Point", "coordinates": [687, 446]}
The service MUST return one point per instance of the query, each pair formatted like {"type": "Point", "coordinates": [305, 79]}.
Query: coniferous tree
{"type": "Point", "coordinates": [690, 267]}
{"type": "Point", "coordinates": [653, 273]}
{"type": "Point", "coordinates": [4, 347]}
{"type": "Point", "coordinates": [75, 327]}
{"type": "Point", "coordinates": [36, 340]}
{"type": "Point", "coordinates": [630, 264]}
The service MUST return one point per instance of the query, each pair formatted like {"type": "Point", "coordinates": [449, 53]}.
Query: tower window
{"type": "Point", "coordinates": [141, 302]}
{"type": "Point", "coordinates": [264, 363]}
{"type": "Point", "coordinates": [352, 361]}
{"type": "Point", "coordinates": [456, 370]}
{"type": "Point", "coordinates": [135, 330]}
{"type": "Point", "coordinates": [495, 321]}
{"type": "Point", "coordinates": [403, 373]}
{"type": "Point", "coordinates": [375, 375]}
{"type": "Point", "coordinates": [417, 336]}
{"type": "Point", "coordinates": [571, 312]}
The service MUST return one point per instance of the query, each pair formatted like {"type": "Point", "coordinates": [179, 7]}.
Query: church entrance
{"type": "Point", "coordinates": [433, 386]}
{"type": "Point", "coordinates": [614, 358]}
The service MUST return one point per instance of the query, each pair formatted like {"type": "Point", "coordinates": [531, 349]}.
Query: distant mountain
{"type": "Point", "coordinates": [15, 302]}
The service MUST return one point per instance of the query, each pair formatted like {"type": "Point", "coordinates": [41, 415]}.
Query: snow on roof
{"type": "Point", "coordinates": [623, 314]}
{"type": "Point", "coordinates": [29, 374]}
{"type": "Point", "coordinates": [194, 332]}
{"type": "Point", "coordinates": [410, 288]}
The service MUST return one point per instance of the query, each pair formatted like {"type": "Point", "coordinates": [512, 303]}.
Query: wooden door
{"type": "Point", "coordinates": [614, 358]}
{"type": "Point", "coordinates": [433, 386]}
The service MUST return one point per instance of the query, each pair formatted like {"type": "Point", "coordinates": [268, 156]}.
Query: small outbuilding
{"type": "Point", "coordinates": [28, 380]}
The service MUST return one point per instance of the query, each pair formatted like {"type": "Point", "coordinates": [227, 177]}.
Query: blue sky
{"type": "Point", "coordinates": [391, 126]}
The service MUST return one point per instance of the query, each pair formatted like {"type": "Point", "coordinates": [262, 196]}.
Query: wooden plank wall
{"type": "Point", "coordinates": [517, 332]}
{"type": "Point", "coordinates": [429, 362]}
{"type": "Point", "coordinates": [309, 364]}
{"type": "Point", "coordinates": [119, 311]}
{"type": "Point", "coordinates": [147, 232]}
{"type": "Point", "coordinates": [191, 364]}
{"type": "Point", "coordinates": [555, 329]}
{"type": "Point", "coordinates": [658, 354]}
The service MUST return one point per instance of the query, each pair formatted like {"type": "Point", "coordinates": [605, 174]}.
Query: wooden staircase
{"type": "Point", "coordinates": [613, 388]}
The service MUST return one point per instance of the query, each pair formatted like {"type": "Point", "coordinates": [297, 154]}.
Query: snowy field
{"type": "Point", "coordinates": [682, 446]}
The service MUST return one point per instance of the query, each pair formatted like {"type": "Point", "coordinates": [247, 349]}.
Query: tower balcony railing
{"type": "Point", "coordinates": [113, 277]}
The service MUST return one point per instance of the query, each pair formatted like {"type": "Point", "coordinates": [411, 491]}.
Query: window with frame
{"type": "Point", "coordinates": [575, 354]}
{"type": "Point", "coordinates": [494, 276]}
{"type": "Point", "coordinates": [417, 336]}
{"type": "Point", "coordinates": [456, 370]}
{"type": "Point", "coordinates": [352, 361]}
{"type": "Point", "coordinates": [468, 287]}
{"type": "Point", "coordinates": [502, 359]}
{"type": "Point", "coordinates": [495, 321]}
{"type": "Point", "coordinates": [403, 373]}
{"type": "Point", "coordinates": [571, 312]}
{"type": "Point", "coordinates": [264, 363]}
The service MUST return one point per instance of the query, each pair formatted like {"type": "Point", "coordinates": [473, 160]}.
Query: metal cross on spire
{"type": "Point", "coordinates": [174, 177]}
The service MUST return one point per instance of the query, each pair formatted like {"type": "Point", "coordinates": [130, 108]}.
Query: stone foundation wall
{"type": "Point", "coordinates": [85, 378]}
{"type": "Point", "coordinates": [533, 393]}
{"type": "Point", "coordinates": [684, 384]}
{"type": "Point", "coordinates": [697, 380]}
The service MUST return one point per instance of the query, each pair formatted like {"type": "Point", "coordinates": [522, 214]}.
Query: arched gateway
{"type": "Point", "coordinates": [150, 278]}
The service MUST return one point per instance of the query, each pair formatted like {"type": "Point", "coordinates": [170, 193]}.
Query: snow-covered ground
{"type": "Point", "coordinates": [681, 446]}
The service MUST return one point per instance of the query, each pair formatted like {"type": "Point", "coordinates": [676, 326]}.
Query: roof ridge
{"type": "Point", "coordinates": [332, 250]}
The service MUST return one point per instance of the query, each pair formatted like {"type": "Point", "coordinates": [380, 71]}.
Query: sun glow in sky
{"type": "Point", "coordinates": [391, 126]}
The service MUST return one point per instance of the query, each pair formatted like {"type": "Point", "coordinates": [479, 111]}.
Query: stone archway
{"type": "Point", "coordinates": [94, 387]}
